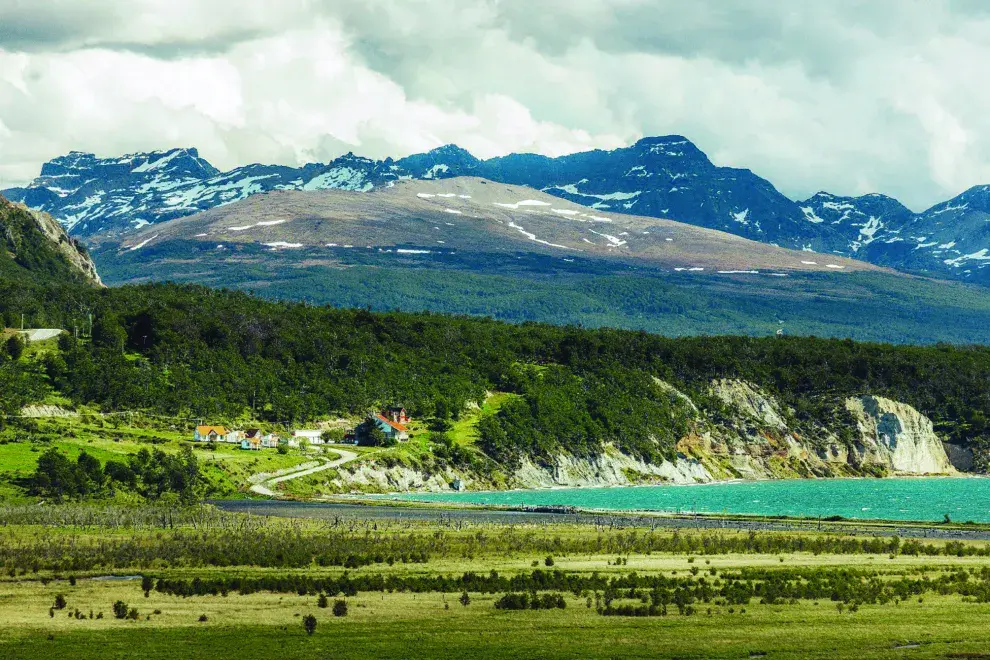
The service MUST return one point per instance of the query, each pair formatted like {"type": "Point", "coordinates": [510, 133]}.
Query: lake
{"type": "Point", "coordinates": [928, 499]}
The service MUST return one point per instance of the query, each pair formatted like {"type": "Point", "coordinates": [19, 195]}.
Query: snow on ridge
{"type": "Point", "coordinates": [270, 223]}
{"type": "Point", "coordinates": [811, 216]}
{"type": "Point", "coordinates": [741, 217]}
{"type": "Point", "coordinates": [282, 244]}
{"type": "Point", "coordinates": [408, 251]}
{"type": "Point", "coordinates": [837, 267]}
{"type": "Point", "coordinates": [454, 211]}
{"type": "Point", "coordinates": [531, 236]}
{"type": "Point", "coordinates": [566, 212]}
{"type": "Point", "coordinates": [525, 202]}
{"type": "Point", "coordinates": [613, 241]}
{"type": "Point", "coordinates": [739, 272]}
{"type": "Point", "coordinates": [142, 243]}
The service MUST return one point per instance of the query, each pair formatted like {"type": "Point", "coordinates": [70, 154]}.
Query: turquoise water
{"type": "Point", "coordinates": [892, 499]}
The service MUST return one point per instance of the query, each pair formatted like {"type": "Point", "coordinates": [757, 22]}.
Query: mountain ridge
{"type": "Point", "coordinates": [661, 176]}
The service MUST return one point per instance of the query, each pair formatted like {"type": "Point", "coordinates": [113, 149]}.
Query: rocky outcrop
{"type": "Point", "coordinates": [750, 438]}
{"type": "Point", "coordinates": [750, 401]}
{"type": "Point", "coordinates": [611, 468]}
{"type": "Point", "coordinates": [897, 436]}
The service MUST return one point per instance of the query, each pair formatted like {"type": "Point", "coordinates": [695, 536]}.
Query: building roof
{"type": "Point", "coordinates": [206, 430]}
{"type": "Point", "coordinates": [394, 425]}
{"type": "Point", "coordinates": [251, 433]}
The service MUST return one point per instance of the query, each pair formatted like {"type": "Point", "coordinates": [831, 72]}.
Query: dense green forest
{"type": "Point", "coordinates": [213, 354]}
{"type": "Point", "coordinates": [579, 291]}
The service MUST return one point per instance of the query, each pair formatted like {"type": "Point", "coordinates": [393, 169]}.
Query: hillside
{"type": "Point", "coordinates": [35, 248]}
{"type": "Point", "coordinates": [474, 215]}
{"type": "Point", "coordinates": [575, 406]}
{"type": "Point", "coordinates": [470, 246]}
{"type": "Point", "coordinates": [665, 177]}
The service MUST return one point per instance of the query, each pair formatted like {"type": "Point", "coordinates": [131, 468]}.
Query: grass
{"type": "Point", "coordinates": [228, 468]}
{"type": "Point", "coordinates": [432, 625]}
{"type": "Point", "coordinates": [465, 430]}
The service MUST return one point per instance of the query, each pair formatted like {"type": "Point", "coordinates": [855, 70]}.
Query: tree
{"type": "Point", "coordinates": [465, 599]}
{"type": "Point", "coordinates": [371, 435]}
{"type": "Point", "coordinates": [55, 475]}
{"type": "Point", "coordinates": [309, 623]}
{"type": "Point", "coordinates": [322, 601]}
{"type": "Point", "coordinates": [15, 347]}
{"type": "Point", "coordinates": [59, 602]}
{"type": "Point", "coordinates": [120, 610]}
{"type": "Point", "coordinates": [109, 333]}
{"type": "Point", "coordinates": [340, 608]}
{"type": "Point", "coordinates": [332, 436]}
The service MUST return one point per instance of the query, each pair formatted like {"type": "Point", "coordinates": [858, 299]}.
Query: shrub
{"type": "Point", "coordinates": [322, 601]}
{"type": "Point", "coordinates": [465, 599]}
{"type": "Point", "coordinates": [340, 608]}
{"type": "Point", "coordinates": [120, 610]}
{"type": "Point", "coordinates": [59, 602]}
{"type": "Point", "coordinates": [202, 618]}
{"type": "Point", "coordinates": [309, 621]}
{"type": "Point", "coordinates": [548, 561]}
{"type": "Point", "coordinates": [133, 614]}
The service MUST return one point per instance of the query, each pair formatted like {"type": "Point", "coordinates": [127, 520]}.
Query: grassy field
{"type": "Point", "coordinates": [421, 622]}
{"type": "Point", "coordinates": [227, 467]}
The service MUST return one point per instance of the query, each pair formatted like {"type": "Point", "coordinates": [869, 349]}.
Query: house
{"type": "Point", "coordinates": [210, 434]}
{"type": "Point", "coordinates": [270, 441]}
{"type": "Point", "coordinates": [251, 443]}
{"type": "Point", "coordinates": [350, 438]}
{"type": "Point", "coordinates": [392, 430]}
{"type": "Point", "coordinates": [292, 441]}
{"type": "Point", "coordinates": [311, 436]}
{"type": "Point", "coordinates": [396, 414]}
{"type": "Point", "coordinates": [235, 437]}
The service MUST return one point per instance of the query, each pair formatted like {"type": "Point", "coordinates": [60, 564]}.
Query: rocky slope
{"type": "Point", "coordinates": [664, 177]}
{"type": "Point", "coordinates": [461, 216]}
{"type": "Point", "coordinates": [752, 437]}
{"type": "Point", "coordinates": [34, 246]}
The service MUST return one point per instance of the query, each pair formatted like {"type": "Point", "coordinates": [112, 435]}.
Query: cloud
{"type": "Point", "coordinates": [846, 96]}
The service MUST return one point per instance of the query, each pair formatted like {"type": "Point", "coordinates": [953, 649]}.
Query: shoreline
{"type": "Point", "coordinates": [479, 513]}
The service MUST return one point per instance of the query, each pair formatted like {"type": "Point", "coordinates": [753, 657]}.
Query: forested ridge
{"type": "Point", "coordinates": [217, 355]}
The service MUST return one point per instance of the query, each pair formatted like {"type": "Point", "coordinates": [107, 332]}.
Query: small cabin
{"type": "Point", "coordinates": [270, 441]}
{"type": "Point", "coordinates": [210, 434]}
{"type": "Point", "coordinates": [313, 437]}
{"type": "Point", "coordinates": [251, 443]}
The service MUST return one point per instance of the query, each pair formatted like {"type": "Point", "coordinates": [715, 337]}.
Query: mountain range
{"type": "Point", "coordinates": [662, 177]}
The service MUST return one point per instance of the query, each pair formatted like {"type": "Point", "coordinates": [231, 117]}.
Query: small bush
{"type": "Point", "coordinates": [548, 561]}
{"type": "Point", "coordinates": [309, 621]}
{"type": "Point", "coordinates": [203, 618]}
{"type": "Point", "coordinates": [59, 602]}
{"type": "Point", "coordinates": [465, 599]}
{"type": "Point", "coordinates": [322, 601]}
{"type": "Point", "coordinates": [340, 608]}
{"type": "Point", "coordinates": [120, 610]}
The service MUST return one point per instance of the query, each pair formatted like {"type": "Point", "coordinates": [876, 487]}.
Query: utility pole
{"type": "Point", "coordinates": [22, 320]}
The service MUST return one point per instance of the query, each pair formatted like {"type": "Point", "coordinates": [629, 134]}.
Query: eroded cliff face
{"type": "Point", "coordinates": [897, 436]}
{"type": "Point", "coordinates": [753, 437]}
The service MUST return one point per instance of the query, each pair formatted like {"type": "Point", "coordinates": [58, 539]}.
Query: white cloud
{"type": "Point", "coordinates": [847, 96]}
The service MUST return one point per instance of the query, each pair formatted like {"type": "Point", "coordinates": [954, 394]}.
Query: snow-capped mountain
{"type": "Point", "coordinates": [666, 177]}
{"type": "Point", "coordinates": [950, 239]}
{"type": "Point", "coordinates": [91, 195]}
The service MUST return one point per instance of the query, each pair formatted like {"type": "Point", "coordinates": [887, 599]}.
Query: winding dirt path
{"type": "Point", "coordinates": [266, 486]}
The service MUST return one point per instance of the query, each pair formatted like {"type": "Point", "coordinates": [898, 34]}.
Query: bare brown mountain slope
{"type": "Point", "coordinates": [471, 214]}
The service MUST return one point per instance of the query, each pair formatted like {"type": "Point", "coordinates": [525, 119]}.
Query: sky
{"type": "Point", "coordinates": [846, 96]}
